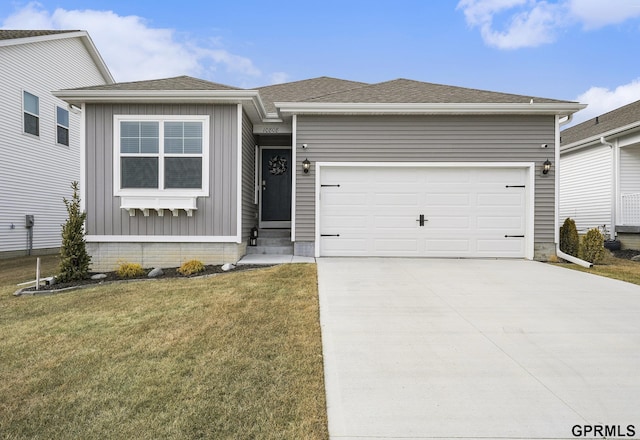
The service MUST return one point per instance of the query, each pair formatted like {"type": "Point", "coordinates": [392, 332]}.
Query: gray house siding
{"type": "Point", "coordinates": [249, 207]}
{"type": "Point", "coordinates": [426, 139]}
{"type": "Point", "coordinates": [216, 214]}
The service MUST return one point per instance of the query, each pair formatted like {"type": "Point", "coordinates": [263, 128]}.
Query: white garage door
{"type": "Point", "coordinates": [468, 212]}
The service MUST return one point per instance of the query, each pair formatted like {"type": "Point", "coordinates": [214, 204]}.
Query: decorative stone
{"type": "Point", "coordinates": [636, 258]}
{"type": "Point", "coordinates": [227, 267]}
{"type": "Point", "coordinates": [99, 276]}
{"type": "Point", "coordinates": [156, 272]}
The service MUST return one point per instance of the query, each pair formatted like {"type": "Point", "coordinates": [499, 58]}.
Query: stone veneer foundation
{"type": "Point", "coordinates": [107, 256]}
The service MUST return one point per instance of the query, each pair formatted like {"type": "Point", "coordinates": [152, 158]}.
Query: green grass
{"type": "Point", "coordinates": [233, 356]}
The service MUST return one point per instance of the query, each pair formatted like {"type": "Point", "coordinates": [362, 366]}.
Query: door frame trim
{"type": "Point", "coordinates": [530, 168]}
{"type": "Point", "coordinates": [271, 224]}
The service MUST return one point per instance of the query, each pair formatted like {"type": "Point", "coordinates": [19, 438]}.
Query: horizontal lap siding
{"type": "Point", "coordinates": [216, 214]}
{"type": "Point", "coordinates": [425, 139]}
{"type": "Point", "coordinates": [586, 187]}
{"type": "Point", "coordinates": [35, 172]}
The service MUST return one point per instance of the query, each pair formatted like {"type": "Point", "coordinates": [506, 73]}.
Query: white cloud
{"type": "Point", "coordinates": [532, 23]}
{"type": "Point", "coordinates": [132, 49]}
{"type": "Point", "coordinates": [598, 13]}
{"type": "Point", "coordinates": [279, 77]}
{"type": "Point", "coordinates": [602, 100]}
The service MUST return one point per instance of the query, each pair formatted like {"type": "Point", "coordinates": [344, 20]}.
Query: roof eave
{"type": "Point", "coordinates": [592, 140]}
{"type": "Point", "coordinates": [556, 108]}
{"type": "Point", "coordinates": [255, 109]}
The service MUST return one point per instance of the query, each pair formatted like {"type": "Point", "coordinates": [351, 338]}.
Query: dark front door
{"type": "Point", "coordinates": [276, 188]}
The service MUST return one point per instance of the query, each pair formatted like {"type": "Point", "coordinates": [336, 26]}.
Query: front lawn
{"type": "Point", "coordinates": [617, 268]}
{"type": "Point", "coordinates": [233, 356]}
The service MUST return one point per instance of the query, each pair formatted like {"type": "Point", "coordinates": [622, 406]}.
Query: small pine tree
{"type": "Point", "coordinates": [74, 259]}
{"type": "Point", "coordinates": [592, 247]}
{"type": "Point", "coordinates": [569, 240]}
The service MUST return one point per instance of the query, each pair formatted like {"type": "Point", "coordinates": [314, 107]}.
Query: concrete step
{"type": "Point", "coordinates": [274, 241]}
{"type": "Point", "coordinates": [273, 233]}
{"type": "Point", "coordinates": [271, 250]}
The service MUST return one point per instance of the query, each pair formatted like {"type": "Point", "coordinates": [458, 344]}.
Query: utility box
{"type": "Point", "coordinates": [29, 221]}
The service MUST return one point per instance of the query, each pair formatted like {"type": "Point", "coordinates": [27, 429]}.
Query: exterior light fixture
{"type": "Point", "coordinates": [546, 166]}
{"type": "Point", "coordinates": [253, 239]}
{"type": "Point", "coordinates": [306, 165]}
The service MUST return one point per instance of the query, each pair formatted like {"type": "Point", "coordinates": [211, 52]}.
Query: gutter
{"type": "Point", "coordinates": [571, 258]}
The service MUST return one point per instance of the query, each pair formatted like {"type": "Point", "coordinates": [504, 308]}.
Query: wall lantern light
{"type": "Point", "coordinates": [253, 238]}
{"type": "Point", "coordinates": [546, 166]}
{"type": "Point", "coordinates": [306, 165]}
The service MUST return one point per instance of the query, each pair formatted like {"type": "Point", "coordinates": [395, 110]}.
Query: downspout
{"type": "Point", "coordinates": [559, 253]}
{"type": "Point", "coordinates": [613, 184]}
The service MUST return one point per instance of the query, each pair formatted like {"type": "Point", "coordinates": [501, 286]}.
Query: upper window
{"type": "Point", "coordinates": [31, 111]}
{"type": "Point", "coordinates": [162, 153]}
{"type": "Point", "coordinates": [62, 126]}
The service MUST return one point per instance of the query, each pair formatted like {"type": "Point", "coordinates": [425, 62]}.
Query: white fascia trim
{"type": "Point", "coordinates": [556, 210]}
{"type": "Point", "coordinates": [160, 239]}
{"type": "Point", "coordinates": [239, 199]}
{"type": "Point", "coordinates": [530, 166]}
{"type": "Point", "coordinates": [428, 108]}
{"type": "Point", "coordinates": [595, 139]}
{"type": "Point", "coordinates": [294, 160]}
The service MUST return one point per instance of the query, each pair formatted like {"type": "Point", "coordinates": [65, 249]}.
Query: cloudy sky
{"type": "Point", "coordinates": [583, 50]}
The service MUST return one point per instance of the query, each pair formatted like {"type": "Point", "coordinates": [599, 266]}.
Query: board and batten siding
{"type": "Point", "coordinates": [426, 139]}
{"type": "Point", "coordinates": [216, 214]}
{"type": "Point", "coordinates": [586, 185]}
{"type": "Point", "coordinates": [36, 172]}
{"type": "Point", "coordinates": [249, 207]}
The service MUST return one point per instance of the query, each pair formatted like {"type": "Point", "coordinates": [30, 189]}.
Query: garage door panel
{"type": "Point", "coordinates": [468, 211]}
{"type": "Point", "coordinates": [504, 224]}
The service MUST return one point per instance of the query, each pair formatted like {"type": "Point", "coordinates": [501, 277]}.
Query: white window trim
{"type": "Point", "coordinates": [24, 110]}
{"type": "Point", "coordinates": [55, 109]}
{"type": "Point", "coordinates": [153, 193]}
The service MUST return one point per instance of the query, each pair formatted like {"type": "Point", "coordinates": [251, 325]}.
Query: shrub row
{"type": "Point", "coordinates": [590, 248]}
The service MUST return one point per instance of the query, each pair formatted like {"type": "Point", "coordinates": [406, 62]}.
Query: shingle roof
{"type": "Point", "coordinates": [606, 122]}
{"type": "Point", "coordinates": [304, 90]}
{"type": "Point", "coordinates": [11, 34]}
{"type": "Point", "coordinates": [410, 91]}
{"type": "Point", "coordinates": [175, 83]}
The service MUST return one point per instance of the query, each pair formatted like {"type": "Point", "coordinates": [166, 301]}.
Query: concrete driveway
{"type": "Point", "coordinates": [423, 348]}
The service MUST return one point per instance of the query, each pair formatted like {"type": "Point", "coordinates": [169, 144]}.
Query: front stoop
{"type": "Point", "coordinates": [272, 242]}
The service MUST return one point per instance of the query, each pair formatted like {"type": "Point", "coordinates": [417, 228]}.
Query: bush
{"type": "Point", "coordinates": [592, 247]}
{"type": "Point", "coordinates": [130, 270]}
{"type": "Point", "coordinates": [191, 267]}
{"type": "Point", "coordinates": [569, 240]}
{"type": "Point", "coordinates": [74, 259]}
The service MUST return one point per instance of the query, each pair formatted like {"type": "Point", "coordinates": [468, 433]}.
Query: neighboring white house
{"type": "Point", "coordinates": [600, 174]}
{"type": "Point", "coordinates": [39, 133]}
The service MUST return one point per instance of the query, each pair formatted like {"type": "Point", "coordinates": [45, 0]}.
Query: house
{"type": "Point", "coordinates": [183, 168]}
{"type": "Point", "coordinates": [600, 174]}
{"type": "Point", "coordinates": [39, 133]}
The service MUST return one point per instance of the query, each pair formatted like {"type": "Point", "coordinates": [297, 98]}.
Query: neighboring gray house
{"type": "Point", "coordinates": [600, 174]}
{"type": "Point", "coordinates": [183, 168]}
{"type": "Point", "coordinates": [39, 133]}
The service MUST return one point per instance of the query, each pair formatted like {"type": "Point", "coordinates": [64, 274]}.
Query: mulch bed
{"type": "Point", "coordinates": [171, 272]}
{"type": "Point", "coordinates": [626, 254]}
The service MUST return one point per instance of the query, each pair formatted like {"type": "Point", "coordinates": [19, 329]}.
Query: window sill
{"type": "Point", "coordinates": [158, 204]}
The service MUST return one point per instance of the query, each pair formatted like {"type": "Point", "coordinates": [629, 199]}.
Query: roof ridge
{"type": "Point", "coordinates": [308, 79]}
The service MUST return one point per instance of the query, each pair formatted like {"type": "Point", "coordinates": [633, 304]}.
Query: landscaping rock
{"type": "Point", "coordinates": [227, 267]}
{"type": "Point", "coordinates": [99, 276]}
{"type": "Point", "coordinates": [636, 258]}
{"type": "Point", "coordinates": [156, 272]}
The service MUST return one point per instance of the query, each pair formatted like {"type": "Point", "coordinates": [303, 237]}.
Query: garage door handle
{"type": "Point", "coordinates": [514, 236]}
{"type": "Point", "coordinates": [422, 220]}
